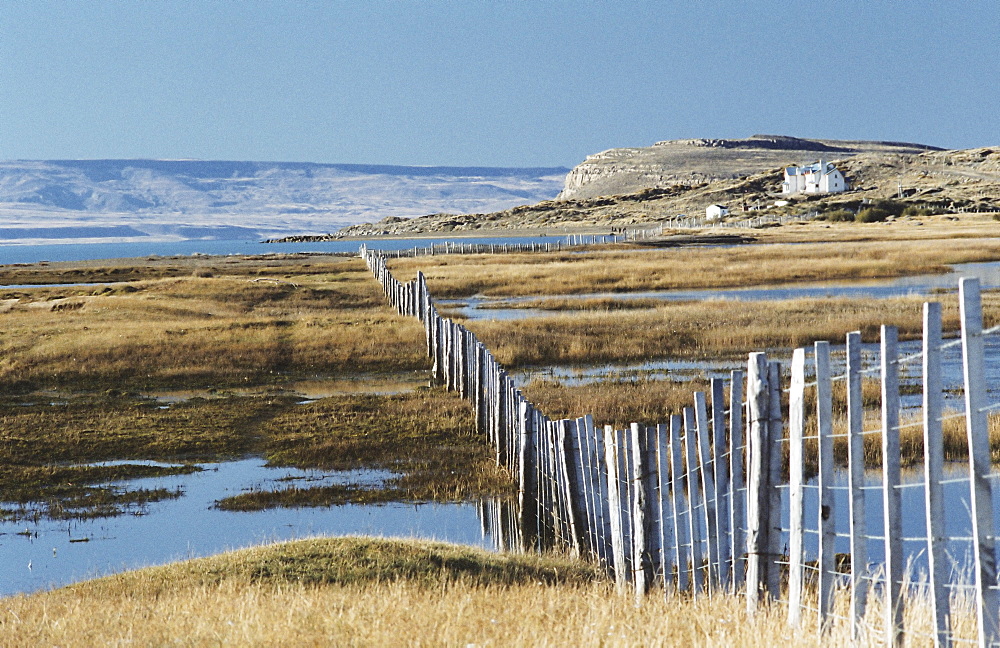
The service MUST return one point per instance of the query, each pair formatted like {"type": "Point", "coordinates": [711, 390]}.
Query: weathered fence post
{"type": "Point", "coordinates": [709, 496]}
{"type": "Point", "coordinates": [665, 527]}
{"type": "Point", "coordinates": [572, 487]}
{"type": "Point", "coordinates": [723, 486]}
{"type": "Point", "coordinates": [775, 549]}
{"type": "Point", "coordinates": [642, 567]}
{"type": "Point", "coordinates": [682, 557]}
{"type": "Point", "coordinates": [758, 481]}
{"type": "Point", "coordinates": [856, 482]}
{"type": "Point", "coordinates": [691, 477]}
{"type": "Point", "coordinates": [614, 508]}
{"type": "Point", "coordinates": [893, 522]}
{"type": "Point", "coordinates": [937, 567]}
{"type": "Point", "coordinates": [796, 480]}
{"type": "Point", "coordinates": [737, 509]}
{"type": "Point", "coordinates": [528, 485]}
{"type": "Point", "coordinates": [827, 532]}
{"type": "Point", "coordinates": [980, 484]}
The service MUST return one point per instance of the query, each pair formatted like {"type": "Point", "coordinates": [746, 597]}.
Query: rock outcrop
{"type": "Point", "coordinates": [698, 161]}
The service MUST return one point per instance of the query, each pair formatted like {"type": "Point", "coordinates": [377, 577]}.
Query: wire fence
{"type": "Point", "coordinates": [764, 485]}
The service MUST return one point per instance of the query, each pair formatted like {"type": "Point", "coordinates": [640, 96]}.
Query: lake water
{"type": "Point", "coordinates": [52, 553]}
{"type": "Point", "coordinates": [90, 251]}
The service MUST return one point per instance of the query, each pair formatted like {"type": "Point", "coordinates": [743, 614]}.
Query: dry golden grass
{"type": "Point", "coordinates": [617, 403]}
{"type": "Point", "coordinates": [711, 329]}
{"type": "Point", "coordinates": [217, 331]}
{"type": "Point", "coordinates": [688, 268]}
{"type": "Point", "coordinates": [417, 594]}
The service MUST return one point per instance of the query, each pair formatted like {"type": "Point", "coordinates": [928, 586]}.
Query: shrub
{"type": "Point", "coordinates": [872, 215]}
{"type": "Point", "coordinates": [890, 207]}
{"type": "Point", "coordinates": [914, 210]}
{"type": "Point", "coordinates": [838, 215]}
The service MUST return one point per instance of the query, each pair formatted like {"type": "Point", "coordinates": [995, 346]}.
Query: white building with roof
{"type": "Point", "coordinates": [821, 177]}
{"type": "Point", "coordinates": [716, 212]}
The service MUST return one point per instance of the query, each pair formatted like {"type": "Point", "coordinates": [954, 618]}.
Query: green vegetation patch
{"type": "Point", "coordinates": [353, 560]}
{"type": "Point", "coordinates": [427, 437]}
{"type": "Point", "coordinates": [294, 497]}
{"type": "Point", "coordinates": [76, 492]}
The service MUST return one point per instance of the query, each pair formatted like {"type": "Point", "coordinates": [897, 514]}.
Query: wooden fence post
{"type": "Point", "coordinates": [737, 509]}
{"type": "Point", "coordinates": [682, 557]}
{"type": "Point", "coordinates": [528, 482]}
{"type": "Point", "coordinates": [826, 520]}
{"type": "Point", "coordinates": [651, 481]}
{"type": "Point", "coordinates": [642, 566]}
{"type": "Point", "coordinates": [691, 477]}
{"type": "Point", "coordinates": [893, 522]}
{"type": "Point", "coordinates": [796, 480]}
{"type": "Point", "coordinates": [666, 528]}
{"type": "Point", "coordinates": [723, 486]}
{"type": "Point", "coordinates": [758, 484]}
{"type": "Point", "coordinates": [980, 466]}
{"type": "Point", "coordinates": [614, 508]}
{"type": "Point", "coordinates": [604, 529]}
{"type": "Point", "coordinates": [855, 483]}
{"type": "Point", "coordinates": [595, 499]}
{"type": "Point", "coordinates": [775, 547]}
{"type": "Point", "coordinates": [572, 486]}
{"type": "Point", "coordinates": [709, 496]}
{"type": "Point", "coordinates": [937, 567]}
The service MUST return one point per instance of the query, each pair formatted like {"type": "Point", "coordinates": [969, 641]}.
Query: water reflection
{"type": "Point", "coordinates": [37, 556]}
{"type": "Point", "coordinates": [957, 522]}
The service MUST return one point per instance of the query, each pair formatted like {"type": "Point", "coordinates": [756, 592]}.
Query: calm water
{"type": "Point", "coordinates": [90, 251]}
{"type": "Point", "coordinates": [38, 556]}
{"type": "Point", "coordinates": [957, 522]}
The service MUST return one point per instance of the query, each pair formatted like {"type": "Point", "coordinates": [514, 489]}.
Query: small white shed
{"type": "Point", "coordinates": [716, 212]}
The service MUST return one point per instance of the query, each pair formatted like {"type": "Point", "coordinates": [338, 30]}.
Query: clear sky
{"type": "Point", "coordinates": [499, 83]}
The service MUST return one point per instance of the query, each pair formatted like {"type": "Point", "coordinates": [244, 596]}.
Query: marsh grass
{"type": "Point", "coordinates": [616, 402]}
{"type": "Point", "coordinates": [565, 273]}
{"type": "Point", "coordinates": [187, 332]}
{"type": "Point", "coordinates": [77, 492]}
{"type": "Point", "coordinates": [357, 591]}
{"type": "Point", "coordinates": [712, 329]}
{"type": "Point", "coordinates": [426, 436]}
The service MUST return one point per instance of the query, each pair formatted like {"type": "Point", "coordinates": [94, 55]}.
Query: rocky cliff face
{"type": "Point", "coordinates": [699, 161]}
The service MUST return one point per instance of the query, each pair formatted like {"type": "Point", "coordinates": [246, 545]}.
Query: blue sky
{"type": "Point", "coordinates": [503, 83]}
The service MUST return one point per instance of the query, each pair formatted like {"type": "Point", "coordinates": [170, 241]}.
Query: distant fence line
{"type": "Point", "coordinates": [702, 222]}
{"type": "Point", "coordinates": [696, 504]}
{"type": "Point", "coordinates": [459, 247]}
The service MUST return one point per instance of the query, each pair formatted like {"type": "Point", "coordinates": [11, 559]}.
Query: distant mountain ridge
{"type": "Point", "coordinates": [177, 199]}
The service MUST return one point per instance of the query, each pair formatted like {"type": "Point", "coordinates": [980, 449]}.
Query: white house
{"type": "Point", "coordinates": [821, 177]}
{"type": "Point", "coordinates": [715, 212]}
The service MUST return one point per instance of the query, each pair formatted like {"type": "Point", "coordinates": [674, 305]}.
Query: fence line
{"type": "Point", "coordinates": [695, 505]}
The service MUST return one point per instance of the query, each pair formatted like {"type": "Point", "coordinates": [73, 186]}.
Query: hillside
{"type": "Point", "coordinates": [698, 161]}
{"type": "Point", "coordinates": [743, 175]}
{"type": "Point", "coordinates": [192, 199]}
